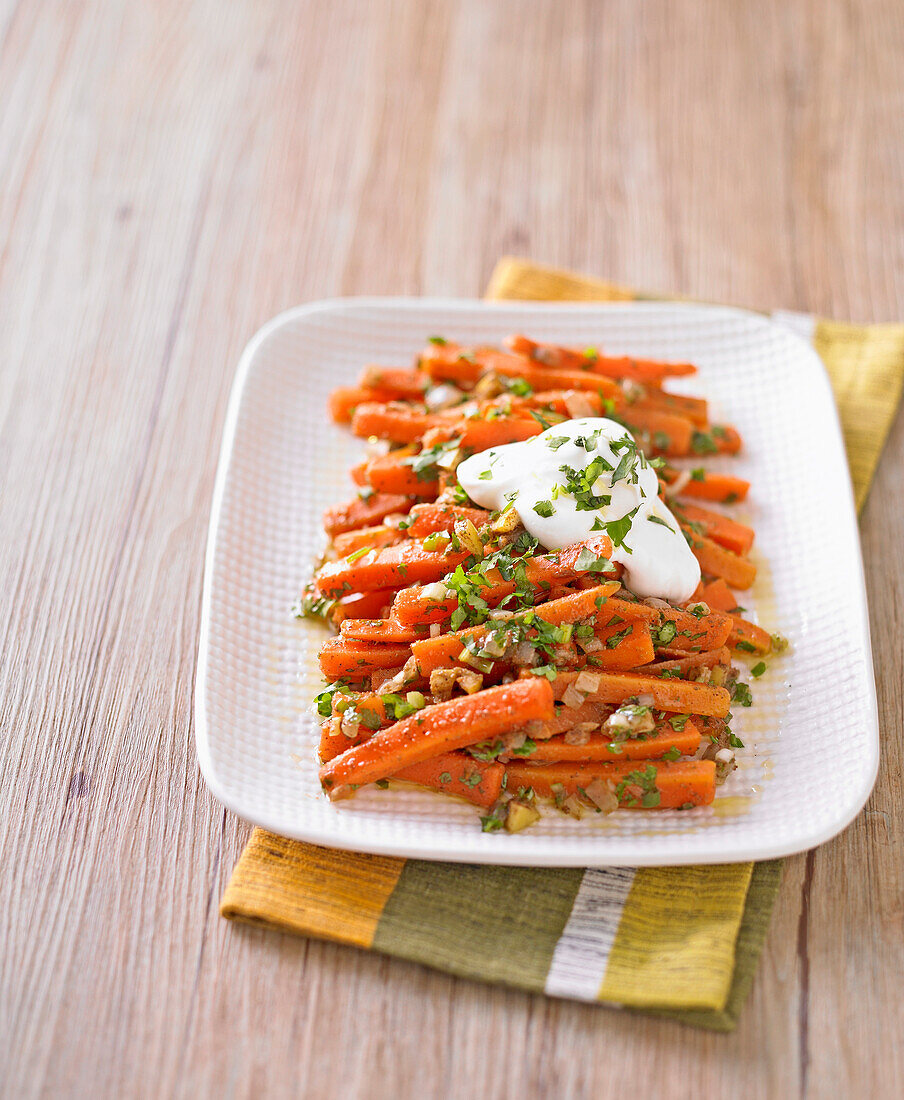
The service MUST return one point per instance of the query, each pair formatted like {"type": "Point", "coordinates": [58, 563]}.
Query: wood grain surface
{"type": "Point", "coordinates": [172, 174]}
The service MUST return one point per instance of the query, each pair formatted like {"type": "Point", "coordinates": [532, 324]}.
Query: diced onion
{"type": "Point", "coordinates": [571, 697]}
{"type": "Point", "coordinates": [645, 700]}
{"type": "Point", "coordinates": [450, 460]}
{"type": "Point", "coordinates": [524, 654]}
{"type": "Point", "coordinates": [678, 484]}
{"type": "Point", "coordinates": [587, 681]}
{"type": "Point", "coordinates": [442, 396]}
{"type": "Point", "coordinates": [436, 629]}
{"type": "Point", "coordinates": [435, 591]}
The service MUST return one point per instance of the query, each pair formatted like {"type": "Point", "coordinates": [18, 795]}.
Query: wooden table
{"type": "Point", "coordinates": [171, 175]}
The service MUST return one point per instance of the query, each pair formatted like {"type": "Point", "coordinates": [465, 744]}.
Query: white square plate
{"type": "Point", "coordinates": [811, 736]}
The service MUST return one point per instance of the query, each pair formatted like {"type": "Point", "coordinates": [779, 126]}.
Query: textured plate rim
{"type": "Point", "coordinates": [515, 857]}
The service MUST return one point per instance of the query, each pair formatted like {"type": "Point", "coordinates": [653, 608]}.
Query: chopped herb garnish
{"type": "Point", "coordinates": [544, 508]}
{"type": "Point", "coordinates": [661, 522]}
{"type": "Point", "coordinates": [520, 387]}
{"type": "Point", "coordinates": [702, 443]}
{"type": "Point", "coordinates": [554, 442]}
{"type": "Point", "coordinates": [758, 669]}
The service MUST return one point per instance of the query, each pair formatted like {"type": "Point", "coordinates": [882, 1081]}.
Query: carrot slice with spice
{"type": "Point", "coordinates": [637, 785]}
{"type": "Point", "coordinates": [404, 384]}
{"type": "Point", "coordinates": [381, 630]}
{"type": "Point", "coordinates": [406, 563]}
{"type": "Point", "coordinates": [427, 519]}
{"type": "Point", "coordinates": [348, 657]}
{"type": "Point", "coordinates": [749, 638]}
{"type": "Point", "coordinates": [680, 740]}
{"type": "Point", "coordinates": [667, 433]}
{"type": "Point", "coordinates": [369, 538]}
{"type": "Point", "coordinates": [541, 573]}
{"type": "Point", "coordinates": [708, 486]}
{"type": "Point", "coordinates": [719, 596]}
{"type": "Point", "coordinates": [401, 472]}
{"type": "Point", "coordinates": [734, 536]}
{"type": "Point", "coordinates": [479, 435]}
{"type": "Point", "coordinates": [671, 695]}
{"type": "Point", "coordinates": [553, 355]}
{"type": "Point", "coordinates": [716, 561]}
{"type": "Point", "coordinates": [457, 773]}
{"type": "Point", "coordinates": [442, 727]}
{"type": "Point", "coordinates": [363, 512]}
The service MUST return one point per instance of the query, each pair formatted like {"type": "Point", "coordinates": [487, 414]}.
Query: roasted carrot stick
{"type": "Point", "coordinates": [668, 433]}
{"type": "Point", "coordinates": [333, 741]}
{"type": "Point", "coordinates": [726, 438]}
{"type": "Point", "coordinates": [694, 408]}
{"type": "Point", "coordinates": [479, 435]}
{"type": "Point", "coordinates": [749, 638]}
{"type": "Point", "coordinates": [637, 785]}
{"type": "Point", "coordinates": [708, 486]}
{"type": "Point", "coordinates": [685, 630]}
{"type": "Point", "coordinates": [734, 536]}
{"type": "Point", "coordinates": [457, 773]}
{"type": "Point", "coordinates": [381, 630]}
{"type": "Point", "coordinates": [680, 696]}
{"type": "Point", "coordinates": [427, 519]}
{"type": "Point", "coordinates": [395, 473]}
{"type": "Point", "coordinates": [569, 358]}
{"type": "Point", "coordinates": [370, 537]}
{"type": "Point", "coordinates": [396, 422]}
{"type": "Point", "coordinates": [664, 739]}
{"type": "Point", "coordinates": [539, 378]}
{"type": "Point", "coordinates": [348, 657]}
{"type": "Point", "coordinates": [364, 605]}
{"type": "Point", "coordinates": [405, 563]}
{"type": "Point", "coordinates": [442, 727]}
{"type": "Point", "coordinates": [620, 649]}
{"type": "Point", "coordinates": [686, 663]}
{"type": "Point", "coordinates": [402, 383]}
{"type": "Point", "coordinates": [542, 572]}
{"type": "Point", "coordinates": [362, 512]}
{"type": "Point", "coordinates": [719, 596]}
{"type": "Point", "coordinates": [716, 561]}
{"type": "Point", "coordinates": [344, 400]}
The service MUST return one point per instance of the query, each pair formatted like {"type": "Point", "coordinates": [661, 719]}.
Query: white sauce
{"type": "Point", "coordinates": [656, 558]}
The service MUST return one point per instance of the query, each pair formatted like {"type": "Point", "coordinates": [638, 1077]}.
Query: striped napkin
{"type": "Point", "coordinates": [676, 941]}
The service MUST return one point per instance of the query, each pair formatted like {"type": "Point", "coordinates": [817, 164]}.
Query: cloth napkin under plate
{"type": "Point", "coordinates": [677, 941]}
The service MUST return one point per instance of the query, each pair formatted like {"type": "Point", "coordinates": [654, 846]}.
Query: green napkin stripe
{"type": "Point", "coordinates": [495, 924]}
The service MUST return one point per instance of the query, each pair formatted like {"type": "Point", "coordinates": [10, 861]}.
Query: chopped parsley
{"type": "Point", "coordinates": [661, 522]}
{"type": "Point", "coordinates": [544, 508]}
{"type": "Point", "coordinates": [702, 443]}
{"type": "Point", "coordinates": [758, 669]}
{"type": "Point", "coordinates": [645, 779]}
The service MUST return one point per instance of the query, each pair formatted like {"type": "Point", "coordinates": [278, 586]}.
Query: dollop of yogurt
{"type": "Point", "coordinates": [583, 477]}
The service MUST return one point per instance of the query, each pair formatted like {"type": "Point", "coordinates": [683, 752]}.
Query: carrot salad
{"type": "Point", "coordinates": [510, 630]}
